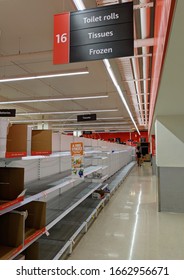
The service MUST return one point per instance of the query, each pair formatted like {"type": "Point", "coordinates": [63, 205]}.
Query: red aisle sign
{"type": "Point", "coordinates": [61, 38]}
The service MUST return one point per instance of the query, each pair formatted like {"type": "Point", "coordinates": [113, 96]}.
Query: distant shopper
{"type": "Point", "coordinates": [138, 156]}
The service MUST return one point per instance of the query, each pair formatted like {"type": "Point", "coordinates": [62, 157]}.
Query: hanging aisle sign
{"type": "Point", "coordinates": [77, 160]}
{"type": "Point", "coordinates": [104, 32]}
{"type": "Point", "coordinates": [87, 117]}
{"type": "Point", "coordinates": [7, 113]}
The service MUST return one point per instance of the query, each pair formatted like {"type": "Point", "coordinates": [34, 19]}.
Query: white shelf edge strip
{"type": "Point", "coordinates": [61, 252]}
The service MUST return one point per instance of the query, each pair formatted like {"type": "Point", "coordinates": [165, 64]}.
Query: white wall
{"type": "Point", "coordinates": [169, 131]}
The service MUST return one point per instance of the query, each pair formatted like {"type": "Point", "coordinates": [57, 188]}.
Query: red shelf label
{"type": "Point", "coordinates": [16, 251]}
{"type": "Point", "coordinates": [43, 153]}
{"type": "Point", "coordinates": [15, 154]}
{"type": "Point", "coordinates": [11, 203]}
{"type": "Point", "coordinates": [34, 236]}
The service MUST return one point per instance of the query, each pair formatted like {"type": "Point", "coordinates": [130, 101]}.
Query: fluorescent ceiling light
{"type": "Point", "coordinates": [112, 118]}
{"type": "Point", "coordinates": [113, 78]}
{"type": "Point", "coordinates": [67, 112]}
{"type": "Point", "coordinates": [42, 121]}
{"type": "Point", "coordinates": [52, 99]}
{"type": "Point", "coordinates": [89, 123]}
{"type": "Point", "coordinates": [79, 4]}
{"type": "Point", "coordinates": [93, 127]}
{"type": "Point", "coordinates": [45, 75]}
{"type": "Point", "coordinates": [59, 120]}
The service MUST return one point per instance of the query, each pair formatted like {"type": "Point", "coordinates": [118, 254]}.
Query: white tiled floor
{"type": "Point", "coordinates": [130, 227]}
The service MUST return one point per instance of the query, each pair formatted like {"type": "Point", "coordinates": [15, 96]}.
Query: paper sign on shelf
{"type": "Point", "coordinates": [77, 160]}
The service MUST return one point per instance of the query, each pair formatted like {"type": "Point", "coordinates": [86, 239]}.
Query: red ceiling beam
{"type": "Point", "coordinates": [164, 10]}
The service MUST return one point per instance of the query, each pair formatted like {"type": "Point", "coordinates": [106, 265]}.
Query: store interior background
{"type": "Point", "coordinates": [151, 82]}
{"type": "Point", "coordinates": [26, 48]}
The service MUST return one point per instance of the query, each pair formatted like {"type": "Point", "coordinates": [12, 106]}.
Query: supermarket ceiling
{"type": "Point", "coordinates": [26, 48]}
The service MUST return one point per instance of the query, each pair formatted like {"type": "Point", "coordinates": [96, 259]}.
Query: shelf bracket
{"type": "Point", "coordinates": [71, 248]}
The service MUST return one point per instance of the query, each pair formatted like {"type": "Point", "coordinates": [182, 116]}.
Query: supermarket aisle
{"type": "Point", "coordinates": [130, 227]}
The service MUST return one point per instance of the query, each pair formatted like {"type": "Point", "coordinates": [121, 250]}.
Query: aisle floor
{"type": "Point", "coordinates": [130, 226]}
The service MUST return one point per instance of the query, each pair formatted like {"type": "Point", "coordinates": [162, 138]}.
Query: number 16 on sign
{"type": "Point", "coordinates": [61, 38]}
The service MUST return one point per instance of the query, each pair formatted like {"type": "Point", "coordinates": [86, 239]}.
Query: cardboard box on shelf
{"type": "Point", "coordinates": [11, 234]}
{"type": "Point", "coordinates": [32, 252]}
{"type": "Point", "coordinates": [16, 141]}
{"type": "Point", "coordinates": [11, 186]}
{"type": "Point", "coordinates": [35, 221]}
{"type": "Point", "coordinates": [41, 143]}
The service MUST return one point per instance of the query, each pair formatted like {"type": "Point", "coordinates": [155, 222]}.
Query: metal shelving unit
{"type": "Point", "coordinates": [64, 234]}
{"type": "Point", "coordinates": [61, 206]}
{"type": "Point", "coordinates": [75, 197]}
{"type": "Point", "coordinates": [69, 205]}
{"type": "Point", "coordinates": [37, 190]}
